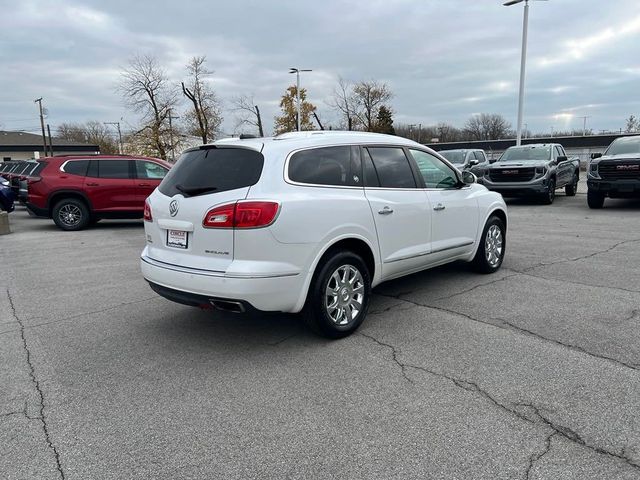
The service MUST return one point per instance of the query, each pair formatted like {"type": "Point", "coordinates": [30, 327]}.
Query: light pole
{"type": "Point", "coordinates": [523, 61]}
{"type": "Point", "coordinates": [297, 72]}
{"type": "Point", "coordinates": [44, 138]}
{"type": "Point", "coordinates": [117, 124]}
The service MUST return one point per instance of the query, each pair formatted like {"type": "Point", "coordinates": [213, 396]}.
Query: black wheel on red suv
{"type": "Point", "coordinates": [71, 214]}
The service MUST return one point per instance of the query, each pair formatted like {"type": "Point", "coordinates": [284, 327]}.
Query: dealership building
{"type": "Point", "coordinates": [25, 146]}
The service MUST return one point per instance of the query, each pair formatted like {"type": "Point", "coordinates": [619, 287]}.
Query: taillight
{"type": "Point", "coordinates": [147, 211]}
{"type": "Point", "coordinates": [31, 180]}
{"type": "Point", "coordinates": [243, 214]}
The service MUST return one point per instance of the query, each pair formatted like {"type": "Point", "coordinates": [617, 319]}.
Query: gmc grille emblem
{"type": "Point", "coordinates": [510, 172]}
{"type": "Point", "coordinates": [173, 208]}
{"type": "Point", "coordinates": [628, 167]}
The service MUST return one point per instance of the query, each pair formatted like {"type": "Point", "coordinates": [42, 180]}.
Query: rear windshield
{"type": "Point", "coordinates": [454, 156]}
{"type": "Point", "coordinates": [213, 170]}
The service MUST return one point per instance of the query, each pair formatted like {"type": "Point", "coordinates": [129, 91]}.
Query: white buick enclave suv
{"type": "Point", "coordinates": [311, 221]}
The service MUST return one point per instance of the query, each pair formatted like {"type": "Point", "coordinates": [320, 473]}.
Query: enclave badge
{"type": "Point", "coordinates": [173, 208]}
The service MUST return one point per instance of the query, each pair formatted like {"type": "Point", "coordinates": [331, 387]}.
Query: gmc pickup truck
{"type": "Point", "coordinates": [533, 170]}
{"type": "Point", "coordinates": [616, 174]}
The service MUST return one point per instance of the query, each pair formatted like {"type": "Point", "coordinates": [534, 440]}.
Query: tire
{"type": "Point", "coordinates": [571, 189]}
{"type": "Point", "coordinates": [318, 314]}
{"type": "Point", "coordinates": [549, 197]}
{"type": "Point", "coordinates": [595, 199]}
{"type": "Point", "coordinates": [492, 246]}
{"type": "Point", "coordinates": [71, 214]}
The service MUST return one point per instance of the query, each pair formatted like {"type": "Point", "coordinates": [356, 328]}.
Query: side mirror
{"type": "Point", "coordinates": [493, 160]}
{"type": "Point", "coordinates": [595, 155]}
{"type": "Point", "coordinates": [562, 158]}
{"type": "Point", "coordinates": [473, 162]}
{"type": "Point", "coordinates": [468, 178]}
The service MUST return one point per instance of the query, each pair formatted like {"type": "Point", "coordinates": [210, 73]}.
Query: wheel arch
{"type": "Point", "coordinates": [356, 244]}
{"type": "Point", "coordinates": [58, 195]}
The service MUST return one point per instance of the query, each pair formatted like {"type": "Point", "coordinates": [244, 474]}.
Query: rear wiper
{"type": "Point", "coordinates": [193, 191]}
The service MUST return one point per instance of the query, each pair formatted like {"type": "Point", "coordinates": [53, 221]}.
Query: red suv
{"type": "Point", "coordinates": [76, 191]}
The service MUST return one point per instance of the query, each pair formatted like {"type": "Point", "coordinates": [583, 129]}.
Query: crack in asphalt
{"type": "Point", "coordinates": [24, 412]}
{"type": "Point", "coordinates": [535, 457]}
{"type": "Point", "coordinates": [502, 279]}
{"type": "Point", "coordinates": [515, 328]}
{"type": "Point", "coordinates": [539, 419]}
{"type": "Point", "coordinates": [77, 315]}
{"type": "Point", "coordinates": [582, 257]}
{"type": "Point", "coordinates": [36, 384]}
{"type": "Point", "coordinates": [570, 346]}
{"type": "Point", "coordinates": [394, 355]}
{"type": "Point", "coordinates": [576, 438]}
{"type": "Point", "coordinates": [572, 282]}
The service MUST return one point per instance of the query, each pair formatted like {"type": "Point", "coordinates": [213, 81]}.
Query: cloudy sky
{"type": "Point", "coordinates": [444, 60]}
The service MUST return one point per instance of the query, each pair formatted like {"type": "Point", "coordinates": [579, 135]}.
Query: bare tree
{"type": "Point", "coordinates": [367, 98]}
{"type": "Point", "coordinates": [146, 89]}
{"type": "Point", "coordinates": [92, 132]}
{"type": "Point", "coordinates": [447, 132]}
{"type": "Point", "coordinates": [632, 124]}
{"type": "Point", "coordinates": [343, 101]}
{"type": "Point", "coordinates": [248, 112]}
{"type": "Point", "coordinates": [204, 117]}
{"type": "Point", "coordinates": [487, 126]}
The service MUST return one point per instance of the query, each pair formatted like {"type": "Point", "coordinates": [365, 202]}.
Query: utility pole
{"type": "Point", "coordinates": [173, 151]}
{"type": "Point", "coordinates": [50, 142]}
{"type": "Point", "coordinates": [260, 131]}
{"type": "Point", "coordinates": [584, 124]}
{"type": "Point", "coordinates": [44, 138]}
{"type": "Point", "coordinates": [419, 132]}
{"type": "Point", "coordinates": [117, 124]}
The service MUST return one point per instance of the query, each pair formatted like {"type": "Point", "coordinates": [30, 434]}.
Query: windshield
{"type": "Point", "coordinates": [624, 146]}
{"type": "Point", "coordinates": [529, 153]}
{"type": "Point", "coordinates": [213, 169]}
{"type": "Point", "coordinates": [454, 156]}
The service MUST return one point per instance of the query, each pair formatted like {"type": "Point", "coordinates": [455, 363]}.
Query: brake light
{"type": "Point", "coordinates": [243, 214]}
{"type": "Point", "coordinates": [147, 211]}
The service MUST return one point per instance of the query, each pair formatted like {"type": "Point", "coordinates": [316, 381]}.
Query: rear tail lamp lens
{"type": "Point", "coordinates": [31, 180]}
{"type": "Point", "coordinates": [147, 211]}
{"type": "Point", "coordinates": [241, 215]}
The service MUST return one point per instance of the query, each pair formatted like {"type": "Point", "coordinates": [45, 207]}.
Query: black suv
{"type": "Point", "coordinates": [616, 173]}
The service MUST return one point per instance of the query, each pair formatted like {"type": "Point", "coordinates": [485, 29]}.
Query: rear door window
{"type": "Point", "coordinates": [327, 166]}
{"type": "Point", "coordinates": [76, 167]}
{"type": "Point", "coordinates": [392, 167]}
{"type": "Point", "coordinates": [214, 169]}
{"type": "Point", "coordinates": [113, 168]}
{"type": "Point", "coordinates": [150, 170]}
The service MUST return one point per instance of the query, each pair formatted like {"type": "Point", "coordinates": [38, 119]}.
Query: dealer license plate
{"type": "Point", "coordinates": [177, 239]}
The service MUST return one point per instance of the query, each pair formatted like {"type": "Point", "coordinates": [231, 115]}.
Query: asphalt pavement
{"type": "Point", "coordinates": [532, 372]}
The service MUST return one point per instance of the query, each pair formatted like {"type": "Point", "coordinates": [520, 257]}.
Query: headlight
{"type": "Point", "coordinates": [4, 183]}
{"type": "Point", "coordinates": [541, 171]}
{"type": "Point", "coordinates": [593, 170]}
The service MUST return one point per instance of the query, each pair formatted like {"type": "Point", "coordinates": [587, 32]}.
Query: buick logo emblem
{"type": "Point", "coordinates": [173, 208]}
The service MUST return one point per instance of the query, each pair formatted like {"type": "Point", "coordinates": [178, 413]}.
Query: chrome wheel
{"type": "Point", "coordinates": [70, 215]}
{"type": "Point", "coordinates": [493, 245]}
{"type": "Point", "coordinates": [344, 295]}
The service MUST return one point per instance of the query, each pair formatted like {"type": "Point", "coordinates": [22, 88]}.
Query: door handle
{"type": "Point", "coordinates": [144, 184]}
{"type": "Point", "coordinates": [92, 184]}
{"type": "Point", "coordinates": [385, 211]}
{"type": "Point", "coordinates": [439, 207]}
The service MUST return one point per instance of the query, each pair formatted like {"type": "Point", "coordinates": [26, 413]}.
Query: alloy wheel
{"type": "Point", "coordinates": [344, 295]}
{"type": "Point", "coordinates": [493, 245]}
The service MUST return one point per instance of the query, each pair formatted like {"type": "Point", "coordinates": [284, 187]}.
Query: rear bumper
{"type": "Point", "coordinates": [198, 287]}
{"type": "Point", "coordinates": [37, 211]}
{"type": "Point", "coordinates": [615, 188]}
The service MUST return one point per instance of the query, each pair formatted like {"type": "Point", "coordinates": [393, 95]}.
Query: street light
{"type": "Point", "coordinates": [297, 72]}
{"type": "Point", "coordinates": [523, 61]}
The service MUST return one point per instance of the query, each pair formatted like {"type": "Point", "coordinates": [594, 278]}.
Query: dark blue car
{"type": "Point", "coordinates": [7, 197]}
